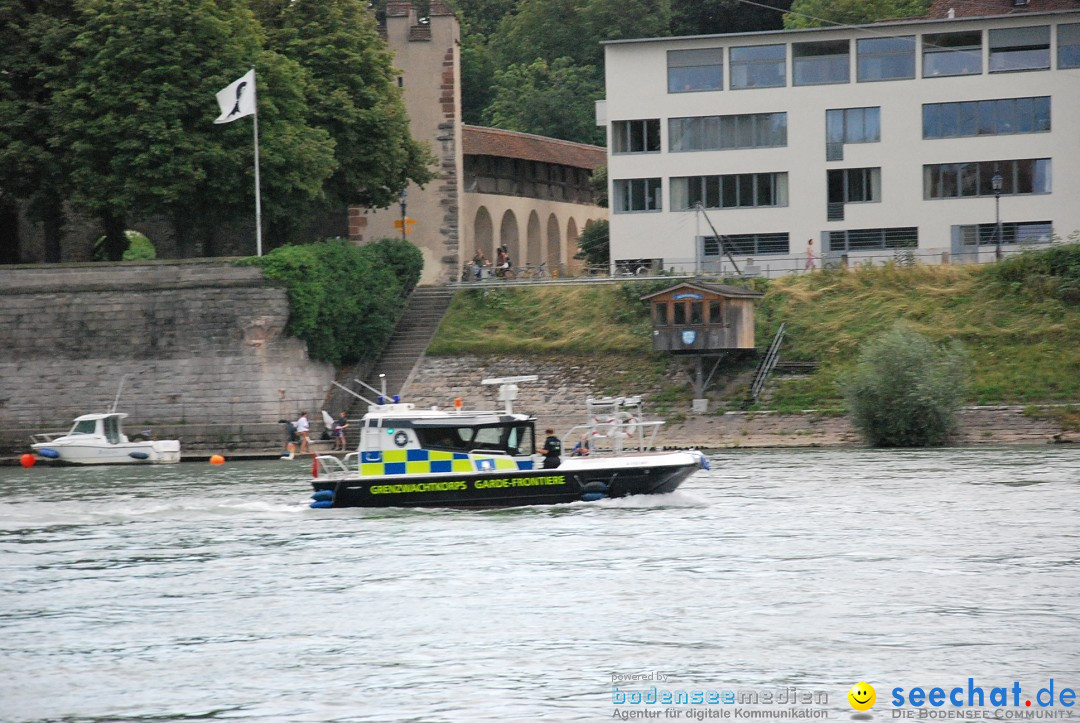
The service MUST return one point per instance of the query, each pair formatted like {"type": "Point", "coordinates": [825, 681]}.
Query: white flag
{"type": "Point", "coordinates": [237, 99]}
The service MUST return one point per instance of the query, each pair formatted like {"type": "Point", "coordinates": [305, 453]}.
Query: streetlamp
{"type": "Point", "coordinates": [996, 183]}
{"type": "Point", "coordinates": [405, 192]}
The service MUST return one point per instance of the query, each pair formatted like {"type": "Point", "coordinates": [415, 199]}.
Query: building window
{"type": "Point", "coordinates": [872, 239]}
{"type": "Point", "coordinates": [739, 190]}
{"type": "Point", "coordinates": [1018, 233]}
{"type": "Point", "coordinates": [759, 66]}
{"type": "Point", "coordinates": [691, 70]}
{"type": "Point", "coordinates": [1020, 49]}
{"type": "Point", "coordinates": [637, 194]}
{"type": "Point", "coordinates": [660, 317]}
{"type": "Point", "coordinates": [748, 244]}
{"type": "Point", "coordinates": [636, 136]}
{"type": "Point", "coordinates": [969, 180]}
{"type": "Point", "coordinates": [855, 185]}
{"type": "Point", "coordinates": [821, 62]}
{"type": "Point", "coordinates": [722, 132]}
{"type": "Point", "coordinates": [1069, 45]}
{"type": "Point", "coordinates": [952, 54]}
{"type": "Point", "coordinates": [716, 311]}
{"type": "Point", "coordinates": [853, 125]}
{"type": "Point", "coordinates": [986, 117]}
{"type": "Point", "coordinates": [885, 58]}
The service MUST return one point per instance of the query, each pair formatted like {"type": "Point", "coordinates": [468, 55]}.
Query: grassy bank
{"type": "Point", "coordinates": [1019, 322]}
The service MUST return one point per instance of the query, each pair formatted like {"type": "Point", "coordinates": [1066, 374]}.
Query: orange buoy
{"type": "Point", "coordinates": [458, 403]}
{"type": "Point", "coordinates": [27, 460]}
{"type": "Point", "coordinates": [217, 459]}
{"type": "Point", "coordinates": [314, 466]}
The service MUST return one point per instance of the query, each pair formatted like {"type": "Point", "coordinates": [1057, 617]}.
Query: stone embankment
{"type": "Point", "coordinates": [558, 399]}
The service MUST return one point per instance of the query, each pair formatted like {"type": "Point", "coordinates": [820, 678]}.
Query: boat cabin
{"type": "Point", "coordinates": [101, 426]}
{"type": "Point", "coordinates": [695, 317]}
{"type": "Point", "coordinates": [401, 426]}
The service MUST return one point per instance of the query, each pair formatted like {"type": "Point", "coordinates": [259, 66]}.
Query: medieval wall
{"type": "Point", "coordinates": [199, 345]}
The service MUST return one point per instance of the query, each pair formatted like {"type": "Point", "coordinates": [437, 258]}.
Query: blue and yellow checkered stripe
{"type": "Point", "coordinates": [422, 461]}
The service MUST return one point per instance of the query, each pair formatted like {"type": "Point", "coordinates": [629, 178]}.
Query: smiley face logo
{"type": "Point", "coordinates": [862, 696]}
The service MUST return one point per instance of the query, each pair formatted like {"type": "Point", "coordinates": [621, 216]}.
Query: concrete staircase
{"type": "Point", "coordinates": [414, 331]}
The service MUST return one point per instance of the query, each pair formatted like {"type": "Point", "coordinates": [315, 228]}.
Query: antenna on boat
{"type": "Point", "coordinates": [116, 400]}
{"type": "Point", "coordinates": [508, 388]}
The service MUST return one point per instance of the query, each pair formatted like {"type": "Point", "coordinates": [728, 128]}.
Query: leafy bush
{"type": "Point", "coordinates": [404, 259]}
{"type": "Point", "coordinates": [343, 299]}
{"type": "Point", "coordinates": [905, 390]}
{"type": "Point", "coordinates": [1053, 272]}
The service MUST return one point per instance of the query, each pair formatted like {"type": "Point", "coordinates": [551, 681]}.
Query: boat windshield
{"type": "Point", "coordinates": [513, 439]}
{"type": "Point", "coordinates": [86, 426]}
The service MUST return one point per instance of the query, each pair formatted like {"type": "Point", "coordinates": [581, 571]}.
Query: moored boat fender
{"type": "Point", "coordinates": [593, 491]}
{"type": "Point", "coordinates": [49, 453]}
{"type": "Point", "coordinates": [703, 461]}
{"type": "Point", "coordinates": [323, 498]}
{"type": "Point", "coordinates": [138, 455]}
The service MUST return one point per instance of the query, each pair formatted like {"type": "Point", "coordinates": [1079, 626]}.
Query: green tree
{"type": "Point", "coordinates": [905, 390]}
{"type": "Point", "coordinates": [598, 182]}
{"type": "Point", "coordinates": [709, 17]}
{"type": "Point", "coordinates": [477, 70]}
{"type": "Point", "coordinates": [556, 100]}
{"type": "Point", "coordinates": [594, 245]}
{"type": "Point", "coordinates": [137, 110]}
{"type": "Point", "coordinates": [552, 29]}
{"type": "Point", "coordinates": [823, 13]}
{"type": "Point", "coordinates": [351, 94]}
{"type": "Point", "coordinates": [31, 169]}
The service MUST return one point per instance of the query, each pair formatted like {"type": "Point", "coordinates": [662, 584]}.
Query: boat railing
{"type": "Point", "coordinates": [614, 436]}
{"type": "Point", "coordinates": [45, 437]}
{"type": "Point", "coordinates": [330, 465]}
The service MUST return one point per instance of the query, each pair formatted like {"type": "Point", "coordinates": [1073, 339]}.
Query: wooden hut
{"type": "Point", "coordinates": [701, 319]}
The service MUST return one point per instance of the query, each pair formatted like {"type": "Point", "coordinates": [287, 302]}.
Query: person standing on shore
{"type": "Point", "coordinates": [340, 425]}
{"type": "Point", "coordinates": [303, 429]}
{"type": "Point", "coordinates": [810, 255]}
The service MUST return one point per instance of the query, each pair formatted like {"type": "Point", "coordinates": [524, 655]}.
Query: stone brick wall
{"type": "Point", "coordinates": [197, 343]}
{"type": "Point", "coordinates": [558, 400]}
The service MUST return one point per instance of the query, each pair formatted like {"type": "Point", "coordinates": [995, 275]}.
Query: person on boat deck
{"type": "Point", "coordinates": [340, 424]}
{"type": "Point", "coordinates": [303, 429]}
{"type": "Point", "coordinates": [551, 450]}
{"type": "Point", "coordinates": [581, 449]}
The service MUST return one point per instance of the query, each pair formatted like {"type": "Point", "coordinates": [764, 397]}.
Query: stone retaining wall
{"type": "Point", "coordinates": [558, 400]}
{"type": "Point", "coordinates": [195, 342]}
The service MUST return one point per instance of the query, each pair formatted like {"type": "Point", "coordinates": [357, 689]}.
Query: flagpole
{"type": "Point", "coordinates": [258, 203]}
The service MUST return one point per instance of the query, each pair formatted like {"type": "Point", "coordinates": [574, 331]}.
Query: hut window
{"type": "Point", "coordinates": [716, 311]}
{"type": "Point", "coordinates": [680, 313]}
{"type": "Point", "coordinates": [660, 313]}
{"type": "Point", "coordinates": [697, 312]}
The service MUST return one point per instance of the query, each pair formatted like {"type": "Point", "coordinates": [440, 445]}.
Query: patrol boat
{"type": "Point", "coordinates": [409, 457]}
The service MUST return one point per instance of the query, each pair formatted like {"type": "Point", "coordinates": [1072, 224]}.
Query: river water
{"type": "Point", "coordinates": [191, 592]}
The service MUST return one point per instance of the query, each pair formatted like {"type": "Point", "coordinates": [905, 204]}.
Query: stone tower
{"type": "Point", "coordinates": [427, 61]}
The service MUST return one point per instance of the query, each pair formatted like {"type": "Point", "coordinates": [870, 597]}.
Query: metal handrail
{"type": "Point", "coordinates": [767, 364]}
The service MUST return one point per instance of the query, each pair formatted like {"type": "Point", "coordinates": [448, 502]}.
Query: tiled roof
{"type": "Point", "coordinates": [982, 8]}
{"type": "Point", "coordinates": [479, 141]}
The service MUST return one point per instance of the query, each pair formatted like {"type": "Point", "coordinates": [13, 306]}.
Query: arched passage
{"type": "Point", "coordinates": [533, 242]}
{"type": "Point", "coordinates": [573, 265]}
{"type": "Point", "coordinates": [483, 235]}
{"type": "Point", "coordinates": [508, 235]}
{"type": "Point", "coordinates": [554, 243]}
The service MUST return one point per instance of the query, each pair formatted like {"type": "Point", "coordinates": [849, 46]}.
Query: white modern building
{"type": "Point", "coordinates": [948, 140]}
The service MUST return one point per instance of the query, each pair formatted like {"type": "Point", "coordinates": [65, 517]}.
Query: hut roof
{"type": "Point", "coordinates": [720, 289]}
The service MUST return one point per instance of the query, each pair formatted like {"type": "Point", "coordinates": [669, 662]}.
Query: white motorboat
{"type": "Point", "coordinates": [100, 439]}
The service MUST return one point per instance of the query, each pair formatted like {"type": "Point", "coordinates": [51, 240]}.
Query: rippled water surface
{"type": "Point", "coordinates": [189, 591]}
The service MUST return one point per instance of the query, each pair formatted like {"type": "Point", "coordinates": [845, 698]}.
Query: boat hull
{"type": "Point", "coordinates": [572, 482]}
{"type": "Point", "coordinates": [155, 452]}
